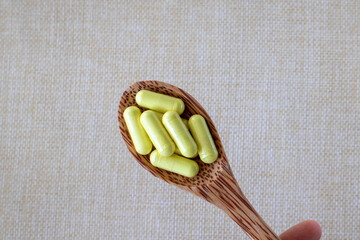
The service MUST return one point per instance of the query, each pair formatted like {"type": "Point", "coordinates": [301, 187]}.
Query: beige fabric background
{"type": "Point", "coordinates": [281, 80]}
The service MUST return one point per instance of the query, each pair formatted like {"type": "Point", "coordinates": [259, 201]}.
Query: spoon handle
{"type": "Point", "coordinates": [225, 193]}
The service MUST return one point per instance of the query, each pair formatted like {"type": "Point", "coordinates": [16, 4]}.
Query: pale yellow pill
{"type": "Point", "coordinates": [138, 135]}
{"type": "Point", "coordinates": [157, 133]}
{"type": "Point", "coordinates": [175, 164]}
{"type": "Point", "coordinates": [179, 133]}
{"type": "Point", "coordinates": [177, 151]}
{"type": "Point", "coordinates": [160, 115]}
{"type": "Point", "coordinates": [159, 102]}
{"type": "Point", "coordinates": [206, 146]}
{"type": "Point", "coordinates": [186, 123]}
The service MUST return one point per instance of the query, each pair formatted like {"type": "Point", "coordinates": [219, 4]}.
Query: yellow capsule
{"type": "Point", "coordinates": [206, 146]}
{"type": "Point", "coordinates": [185, 123]}
{"type": "Point", "coordinates": [157, 133]}
{"type": "Point", "coordinates": [175, 164]}
{"type": "Point", "coordinates": [179, 133]}
{"type": "Point", "coordinates": [159, 102]}
{"type": "Point", "coordinates": [177, 151]}
{"type": "Point", "coordinates": [160, 115]}
{"type": "Point", "coordinates": [138, 135]}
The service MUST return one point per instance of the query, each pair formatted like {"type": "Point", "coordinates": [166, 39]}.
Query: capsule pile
{"type": "Point", "coordinates": [176, 140]}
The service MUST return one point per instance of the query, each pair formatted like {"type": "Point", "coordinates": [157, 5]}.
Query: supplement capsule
{"type": "Point", "coordinates": [159, 102]}
{"type": "Point", "coordinates": [138, 135]}
{"type": "Point", "coordinates": [186, 123]}
{"type": "Point", "coordinates": [177, 151]}
{"type": "Point", "coordinates": [157, 133]}
{"type": "Point", "coordinates": [175, 164]}
{"type": "Point", "coordinates": [206, 146]}
{"type": "Point", "coordinates": [180, 134]}
{"type": "Point", "coordinates": [160, 115]}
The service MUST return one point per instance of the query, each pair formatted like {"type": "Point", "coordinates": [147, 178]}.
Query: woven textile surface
{"type": "Point", "coordinates": [280, 79]}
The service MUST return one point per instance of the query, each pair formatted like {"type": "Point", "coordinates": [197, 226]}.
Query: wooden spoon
{"type": "Point", "coordinates": [215, 182]}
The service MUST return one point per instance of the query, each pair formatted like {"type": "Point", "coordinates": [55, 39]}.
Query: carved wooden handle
{"type": "Point", "coordinates": [240, 211]}
{"type": "Point", "coordinates": [225, 193]}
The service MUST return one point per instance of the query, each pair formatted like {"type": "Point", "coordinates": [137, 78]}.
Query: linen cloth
{"type": "Point", "coordinates": [280, 79]}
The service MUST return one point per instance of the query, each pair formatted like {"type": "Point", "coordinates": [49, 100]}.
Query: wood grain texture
{"type": "Point", "coordinates": [215, 182]}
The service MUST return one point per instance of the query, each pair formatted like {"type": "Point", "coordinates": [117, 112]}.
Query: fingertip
{"type": "Point", "coordinates": [306, 230]}
{"type": "Point", "coordinates": [313, 227]}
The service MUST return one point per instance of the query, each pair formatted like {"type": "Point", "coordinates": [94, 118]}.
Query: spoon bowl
{"type": "Point", "coordinates": [215, 182]}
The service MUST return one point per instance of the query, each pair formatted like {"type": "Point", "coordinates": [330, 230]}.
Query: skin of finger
{"type": "Point", "coordinates": [307, 230]}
